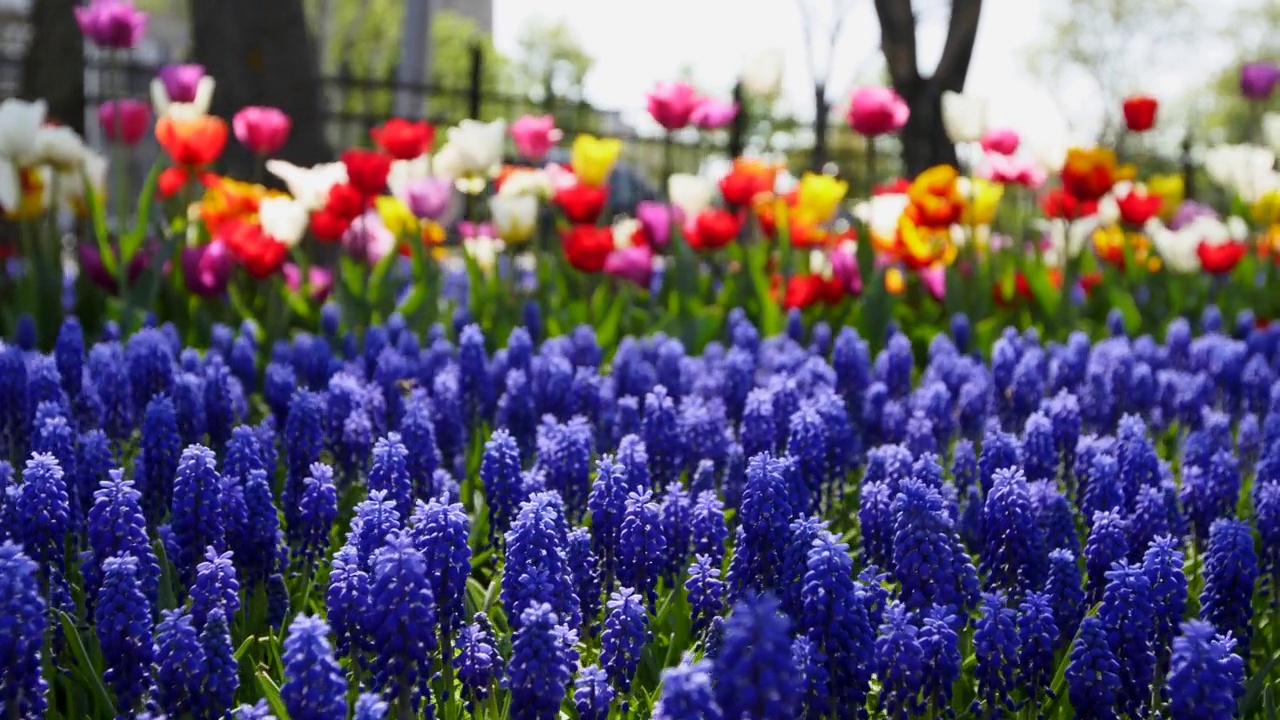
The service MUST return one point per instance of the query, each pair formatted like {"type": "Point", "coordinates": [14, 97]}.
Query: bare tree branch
{"type": "Point", "coordinates": [962, 31]}
{"type": "Point", "coordinates": [898, 41]}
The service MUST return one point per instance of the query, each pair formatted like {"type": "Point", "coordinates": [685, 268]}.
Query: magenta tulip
{"type": "Point", "coordinates": [1001, 141]}
{"type": "Point", "coordinates": [656, 218]}
{"type": "Point", "coordinates": [114, 24]}
{"type": "Point", "coordinates": [712, 114]}
{"type": "Point", "coordinates": [206, 269]}
{"type": "Point", "coordinates": [876, 111]}
{"type": "Point", "coordinates": [634, 264]}
{"type": "Point", "coordinates": [1259, 79]}
{"type": "Point", "coordinates": [181, 81]}
{"type": "Point", "coordinates": [319, 280]}
{"type": "Point", "coordinates": [672, 104]}
{"type": "Point", "coordinates": [124, 120]}
{"type": "Point", "coordinates": [534, 135]}
{"type": "Point", "coordinates": [264, 130]}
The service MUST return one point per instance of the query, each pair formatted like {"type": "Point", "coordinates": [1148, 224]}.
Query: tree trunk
{"type": "Point", "coordinates": [260, 52]}
{"type": "Point", "coordinates": [821, 117]}
{"type": "Point", "coordinates": [54, 66]}
{"type": "Point", "coordinates": [924, 139]}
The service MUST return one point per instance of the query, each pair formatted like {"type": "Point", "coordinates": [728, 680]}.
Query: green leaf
{"type": "Point", "coordinates": [82, 659]}
{"type": "Point", "coordinates": [1253, 688]}
{"type": "Point", "coordinates": [130, 242]}
{"type": "Point", "coordinates": [272, 694]}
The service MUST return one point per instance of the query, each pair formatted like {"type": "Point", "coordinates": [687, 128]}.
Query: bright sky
{"type": "Point", "coordinates": [639, 43]}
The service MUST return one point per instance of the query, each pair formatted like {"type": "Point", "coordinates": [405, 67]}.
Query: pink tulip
{"type": "Point", "coordinates": [428, 198]}
{"type": "Point", "coordinates": [844, 267]}
{"type": "Point", "coordinates": [671, 104]}
{"type": "Point", "coordinates": [471, 230]}
{"type": "Point", "coordinates": [124, 120]}
{"type": "Point", "coordinates": [934, 279]}
{"type": "Point", "coordinates": [319, 280]}
{"type": "Point", "coordinates": [633, 263]}
{"type": "Point", "coordinates": [263, 130]}
{"type": "Point", "coordinates": [181, 81]}
{"type": "Point", "coordinates": [115, 24]}
{"type": "Point", "coordinates": [655, 217]}
{"type": "Point", "coordinates": [876, 111]}
{"type": "Point", "coordinates": [534, 135]}
{"type": "Point", "coordinates": [712, 114]}
{"type": "Point", "coordinates": [1001, 141]}
{"type": "Point", "coordinates": [1011, 170]}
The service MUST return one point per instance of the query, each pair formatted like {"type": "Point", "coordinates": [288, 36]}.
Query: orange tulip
{"type": "Point", "coordinates": [935, 198]}
{"type": "Point", "coordinates": [193, 142]}
{"type": "Point", "coordinates": [1089, 174]}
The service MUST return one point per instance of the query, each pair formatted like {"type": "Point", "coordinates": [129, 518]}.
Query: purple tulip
{"type": "Point", "coordinates": [844, 267]}
{"type": "Point", "coordinates": [181, 81]}
{"type": "Point", "coordinates": [1188, 211]}
{"type": "Point", "coordinates": [368, 238]}
{"type": "Point", "coordinates": [633, 263]}
{"type": "Point", "coordinates": [428, 198]}
{"type": "Point", "coordinates": [92, 266]}
{"type": "Point", "coordinates": [207, 268]}
{"type": "Point", "coordinates": [656, 219]}
{"type": "Point", "coordinates": [112, 23]}
{"type": "Point", "coordinates": [1259, 79]}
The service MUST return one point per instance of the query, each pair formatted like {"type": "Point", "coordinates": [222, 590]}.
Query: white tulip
{"type": "Point", "coordinates": [61, 147]}
{"type": "Point", "coordinates": [762, 72]}
{"type": "Point", "coordinates": [71, 184]}
{"type": "Point", "coordinates": [1271, 130]}
{"type": "Point", "coordinates": [623, 230]}
{"type": "Point", "coordinates": [20, 123]}
{"type": "Point", "coordinates": [880, 214]}
{"type": "Point", "coordinates": [690, 193]}
{"type": "Point", "coordinates": [309, 186]}
{"type": "Point", "coordinates": [447, 162]}
{"type": "Point", "coordinates": [515, 217]}
{"type": "Point", "coordinates": [485, 251]}
{"type": "Point", "coordinates": [284, 219]}
{"type": "Point", "coordinates": [1177, 248]}
{"type": "Point", "coordinates": [964, 116]}
{"type": "Point", "coordinates": [198, 107]}
{"type": "Point", "coordinates": [1244, 169]}
{"type": "Point", "coordinates": [478, 146]}
{"type": "Point", "coordinates": [1067, 239]}
{"type": "Point", "coordinates": [527, 181]}
{"type": "Point", "coordinates": [10, 186]}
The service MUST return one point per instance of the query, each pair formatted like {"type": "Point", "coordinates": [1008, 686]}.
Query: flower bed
{"type": "Point", "coordinates": [780, 526]}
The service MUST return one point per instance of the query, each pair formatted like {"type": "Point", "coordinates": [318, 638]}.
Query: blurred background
{"type": "Point", "coordinates": [1055, 70]}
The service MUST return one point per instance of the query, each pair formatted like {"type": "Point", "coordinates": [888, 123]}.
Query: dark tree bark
{"type": "Point", "coordinates": [821, 119]}
{"type": "Point", "coordinates": [54, 66]}
{"type": "Point", "coordinates": [924, 139]}
{"type": "Point", "coordinates": [260, 52]}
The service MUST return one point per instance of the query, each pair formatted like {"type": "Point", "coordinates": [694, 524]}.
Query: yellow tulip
{"type": "Point", "coordinates": [982, 203]}
{"type": "Point", "coordinates": [820, 195]}
{"type": "Point", "coordinates": [396, 216]}
{"type": "Point", "coordinates": [894, 281]}
{"type": "Point", "coordinates": [1171, 189]}
{"type": "Point", "coordinates": [32, 197]}
{"type": "Point", "coordinates": [1266, 211]}
{"type": "Point", "coordinates": [592, 158]}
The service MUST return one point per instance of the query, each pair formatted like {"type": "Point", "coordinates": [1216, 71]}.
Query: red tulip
{"type": "Point", "coordinates": [807, 290]}
{"type": "Point", "coordinates": [1137, 208]}
{"type": "Point", "coordinates": [587, 247]}
{"type": "Point", "coordinates": [1058, 203]}
{"type": "Point", "coordinates": [404, 139]}
{"type": "Point", "coordinates": [328, 226]}
{"type": "Point", "coordinates": [124, 120]}
{"type": "Point", "coordinates": [1221, 257]}
{"type": "Point", "coordinates": [713, 229]}
{"type": "Point", "coordinates": [1140, 113]}
{"type": "Point", "coordinates": [260, 254]}
{"type": "Point", "coordinates": [345, 201]}
{"type": "Point", "coordinates": [264, 130]}
{"type": "Point", "coordinates": [582, 203]}
{"type": "Point", "coordinates": [367, 170]}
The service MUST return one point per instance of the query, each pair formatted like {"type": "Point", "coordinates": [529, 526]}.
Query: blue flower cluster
{"type": "Point", "coordinates": [773, 527]}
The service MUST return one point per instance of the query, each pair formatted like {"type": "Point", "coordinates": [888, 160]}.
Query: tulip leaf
{"type": "Point", "coordinates": [72, 634]}
{"type": "Point", "coordinates": [130, 242]}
